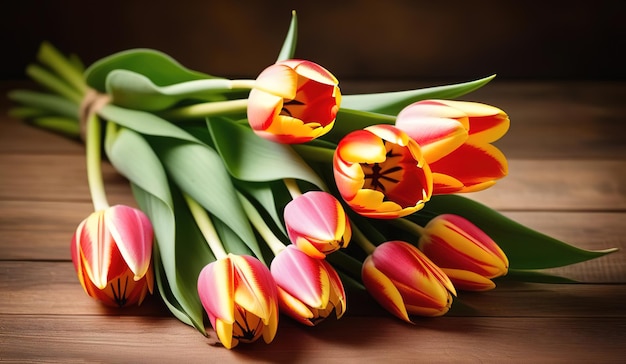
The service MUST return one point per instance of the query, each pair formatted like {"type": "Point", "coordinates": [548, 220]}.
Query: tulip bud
{"type": "Point", "coordinates": [293, 101]}
{"type": "Point", "coordinates": [240, 298]}
{"type": "Point", "coordinates": [309, 289]}
{"type": "Point", "coordinates": [317, 224]}
{"type": "Point", "coordinates": [458, 246]}
{"type": "Point", "coordinates": [404, 281]}
{"type": "Point", "coordinates": [111, 251]}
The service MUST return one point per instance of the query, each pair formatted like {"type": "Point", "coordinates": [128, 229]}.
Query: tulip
{"type": "Point", "coordinates": [317, 224]}
{"type": "Point", "coordinates": [404, 281]}
{"type": "Point", "coordinates": [466, 253]}
{"type": "Point", "coordinates": [293, 101]}
{"type": "Point", "coordinates": [309, 289]}
{"type": "Point", "coordinates": [240, 298]}
{"type": "Point", "coordinates": [111, 251]}
{"type": "Point", "coordinates": [380, 172]}
{"type": "Point", "coordinates": [456, 137]}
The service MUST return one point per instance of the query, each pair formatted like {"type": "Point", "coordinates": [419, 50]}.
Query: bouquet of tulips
{"type": "Point", "coordinates": [270, 195]}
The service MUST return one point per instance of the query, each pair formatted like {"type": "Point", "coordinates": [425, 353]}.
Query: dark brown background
{"type": "Point", "coordinates": [370, 39]}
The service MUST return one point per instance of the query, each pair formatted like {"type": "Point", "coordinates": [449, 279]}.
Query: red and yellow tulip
{"type": "Point", "coordinates": [380, 172]}
{"type": "Point", "coordinates": [112, 252]}
{"type": "Point", "coordinates": [404, 281]}
{"type": "Point", "coordinates": [309, 289]}
{"type": "Point", "coordinates": [456, 137]}
{"type": "Point", "coordinates": [469, 257]}
{"type": "Point", "coordinates": [240, 298]}
{"type": "Point", "coordinates": [317, 224]}
{"type": "Point", "coordinates": [293, 101]}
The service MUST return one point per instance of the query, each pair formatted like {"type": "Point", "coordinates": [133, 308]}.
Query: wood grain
{"type": "Point", "coordinates": [567, 154]}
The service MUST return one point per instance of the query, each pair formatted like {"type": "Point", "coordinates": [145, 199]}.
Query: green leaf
{"type": "Point", "coordinates": [289, 45]}
{"type": "Point", "coordinates": [144, 123]}
{"type": "Point", "coordinates": [145, 171]}
{"type": "Point", "coordinates": [264, 194]}
{"type": "Point", "coordinates": [252, 158]}
{"type": "Point", "coordinates": [536, 277]}
{"type": "Point", "coordinates": [51, 104]}
{"type": "Point", "coordinates": [199, 172]}
{"type": "Point", "coordinates": [135, 91]}
{"type": "Point", "coordinates": [349, 120]}
{"type": "Point", "coordinates": [392, 102]}
{"type": "Point", "coordinates": [157, 66]}
{"type": "Point", "coordinates": [525, 248]}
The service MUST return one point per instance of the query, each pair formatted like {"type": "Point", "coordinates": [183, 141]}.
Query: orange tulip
{"type": "Point", "coordinates": [380, 172]}
{"type": "Point", "coordinates": [456, 137]}
{"type": "Point", "coordinates": [404, 281]}
{"type": "Point", "coordinates": [309, 289]}
{"type": "Point", "coordinates": [293, 101]}
{"type": "Point", "coordinates": [317, 224]}
{"type": "Point", "coordinates": [240, 298]}
{"type": "Point", "coordinates": [111, 251]}
{"type": "Point", "coordinates": [468, 255]}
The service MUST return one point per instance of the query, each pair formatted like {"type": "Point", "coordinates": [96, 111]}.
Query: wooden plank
{"type": "Point", "coordinates": [572, 185]}
{"type": "Point", "coordinates": [69, 339]}
{"type": "Point", "coordinates": [52, 288]}
{"type": "Point", "coordinates": [56, 177]}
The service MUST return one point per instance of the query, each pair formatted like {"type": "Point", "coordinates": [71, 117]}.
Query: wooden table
{"type": "Point", "coordinates": [567, 152]}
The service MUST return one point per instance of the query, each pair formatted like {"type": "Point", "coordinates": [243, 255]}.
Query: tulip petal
{"type": "Point", "coordinates": [280, 80]}
{"type": "Point", "coordinates": [255, 289]}
{"type": "Point", "coordinates": [383, 290]}
{"type": "Point", "coordinates": [361, 146]}
{"type": "Point", "coordinates": [301, 276]}
{"type": "Point", "coordinates": [263, 107]}
{"type": "Point", "coordinates": [473, 165]}
{"type": "Point", "coordinates": [216, 291]}
{"type": "Point", "coordinates": [468, 281]}
{"type": "Point", "coordinates": [133, 234]}
{"type": "Point", "coordinates": [97, 246]}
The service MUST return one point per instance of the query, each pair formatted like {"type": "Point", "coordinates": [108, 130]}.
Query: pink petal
{"type": "Point", "coordinates": [132, 231]}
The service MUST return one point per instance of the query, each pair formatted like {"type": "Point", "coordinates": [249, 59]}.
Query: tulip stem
{"type": "Point", "coordinates": [292, 187]}
{"type": "Point", "coordinates": [362, 240]}
{"type": "Point", "coordinates": [207, 109]}
{"type": "Point", "coordinates": [94, 169]}
{"type": "Point", "coordinates": [203, 221]}
{"type": "Point", "coordinates": [409, 226]}
{"type": "Point", "coordinates": [275, 245]}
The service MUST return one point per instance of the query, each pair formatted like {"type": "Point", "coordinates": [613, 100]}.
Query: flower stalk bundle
{"type": "Point", "coordinates": [269, 196]}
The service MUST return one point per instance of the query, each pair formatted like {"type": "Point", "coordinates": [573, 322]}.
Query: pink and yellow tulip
{"type": "Point", "coordinates": [456, 137]}
{"type": "Point", "coordinates": [309, 289]}
{"type": "Point", "coordinates": [293, 101]}
{"type": "Point", "coordinates": [240, 298]}
{"type": "Point", "coordinates": [380, 172]}
{"type": "Point", "coordinates": [404, 281]}
{"type": "Point", "coordinates": [112, 252]}
{"type": "Point", "coordinates": [469, 257]}
{"type": "Point", "coordinates": [317, 224]}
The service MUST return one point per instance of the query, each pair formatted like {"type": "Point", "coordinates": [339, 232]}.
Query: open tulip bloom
{"type": "Point", "coordinates": [455, 139]}
{"type": "Point", "coordinates": [293, 101]}
{"type": "Point", "coordinates": [111, 251]}
{"type": "Point", "coordinates": [227, 146]}
{"type": "Point", "coordinates": [380, 172]}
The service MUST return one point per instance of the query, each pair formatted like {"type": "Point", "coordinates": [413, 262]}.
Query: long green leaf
{"type": "Point", "coordinates": [135, 91]}
{"type": "Point", "coordinates": [199, 172]}
{"type": "Point", "coordinates": [255, 159]}
{"type": "Point", "coordinates": [144, 123]}
{"type": "Point", "coordinates": [525, 247]}
{"type": "Point", "coordinates": [289, 45]}
{"type": "Point", "coordinates": [350, 120]}
{"type": "Point", "coordinates": [134, 158]}
{"type": "Point", "coordinates": [392, 102]}
{"type": "Point", "coordinates": [157, 66]}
